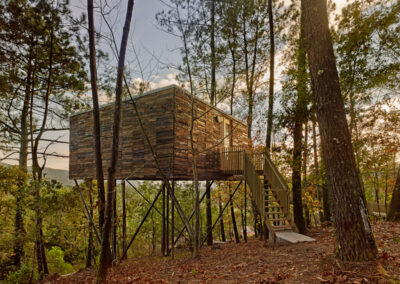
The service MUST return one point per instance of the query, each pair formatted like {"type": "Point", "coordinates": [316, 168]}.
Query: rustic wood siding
{"type": "Point", "coordinates": [166, 115]}
{"type": "Point", "coordinates": [207, 137]}
{"type": "Point", "coordinates": [135, 160]}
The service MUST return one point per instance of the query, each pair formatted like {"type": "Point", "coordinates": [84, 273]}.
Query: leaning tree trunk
{"type": "Point", "coordinates": [105, 255]}
{"type": "Point", "coordinates": [96, 116]}
{"type": "Point", "coordinates": [353, 230]}
{"type": "Point", "coordinates": [394, 209]}
{"type": "Point", "coordinates": [271, 77]}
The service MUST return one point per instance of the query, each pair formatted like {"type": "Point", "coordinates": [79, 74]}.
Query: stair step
{"type": "Point", "coordinates": [280, 228]}
{"type": "Point", "coordinates": [272, 207]}
{"type": "Point", "coordinates": [277, 220]}
{"type": "Point", "coordinates": [274, 213]}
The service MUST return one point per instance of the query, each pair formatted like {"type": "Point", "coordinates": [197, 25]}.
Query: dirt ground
{"type": "Point", "coordinates": [258, 262]}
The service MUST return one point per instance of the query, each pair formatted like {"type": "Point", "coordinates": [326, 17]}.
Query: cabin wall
{"type": "Point", "coordinates": [166, 115]}
{"type": "Point", "coordinates": [135, 160]}
{"type": "Point", "coordinates": [208, 138]}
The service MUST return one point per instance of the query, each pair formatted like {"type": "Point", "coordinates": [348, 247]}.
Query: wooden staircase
{"type": "Point", "coordinates": [270, 194]}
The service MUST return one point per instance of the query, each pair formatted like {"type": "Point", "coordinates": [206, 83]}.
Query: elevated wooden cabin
{"type": "Point", "coordinates": [166, 115]}
{"type": "Point", "coordinates": [221, 142]}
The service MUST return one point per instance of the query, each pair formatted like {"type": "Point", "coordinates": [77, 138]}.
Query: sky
{"type": "Point", "coordinates": [154, 48]}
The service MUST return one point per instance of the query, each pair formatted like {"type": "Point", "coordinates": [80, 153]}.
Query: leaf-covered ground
{"type": "Point", "coordinates": [258, 262]}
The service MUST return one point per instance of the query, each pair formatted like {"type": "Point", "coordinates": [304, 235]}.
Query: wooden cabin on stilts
{"type": "Point", "coordinates": [221, 144]}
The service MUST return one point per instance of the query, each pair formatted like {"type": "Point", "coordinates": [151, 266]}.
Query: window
{"type": "Point", "coordinates": [227, 132]}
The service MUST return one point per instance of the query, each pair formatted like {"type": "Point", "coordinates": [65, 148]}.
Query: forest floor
{"type": "Point", "coordinates": [258, 262]}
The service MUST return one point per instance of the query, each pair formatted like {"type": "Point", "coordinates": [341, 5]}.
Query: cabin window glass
{"type": "Point", "coordinates": [227, 132]}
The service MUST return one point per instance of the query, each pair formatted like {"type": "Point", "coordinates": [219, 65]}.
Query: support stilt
{"type": "Point", "coordinates": [173, 221]}
{"type": "Point", "coordinates": [114, 224]}
{"type": "Point", "coordinates": [245, 213]}
{"type": "Point", "coordinates": [149, 202]}
{"type": "Point", "coordinates": [208, 213]}
{"type": "Point", "coordinates": [167, 224]}
{"type": "Point", "coordinates": [163, 242]}
{"type": "Point", "coordinates": [123, 217]}
{"type": "Point", "coordinates": [226, 205]}
{"type": "Point", "coordinates": [141, 224]}
{"type": "Point", "coordinates": [88, 213]}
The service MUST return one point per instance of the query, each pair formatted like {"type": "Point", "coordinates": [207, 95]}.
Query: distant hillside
{"type": "Point", "coordinates": [61, 176]}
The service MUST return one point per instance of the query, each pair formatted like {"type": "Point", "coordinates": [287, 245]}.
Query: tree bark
{"type": "Point", "coordinates": [326, 195]}
{"type": "Point", "coordinates": [299, 117]}
{"type": "Point", "coordinates": [271, 77]}
{"type": "Point", "coordinates": [352, 227]}
{"type": "Point", "coordinates": [96, 117]}
{"type": "Point", "coordinates": [105, 255]}
{"type": "Point", "coordinates": [394, 209]}
{"type": "Point", "coordinates": [304, 170]}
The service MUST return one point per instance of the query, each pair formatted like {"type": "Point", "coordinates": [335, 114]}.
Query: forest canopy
{"type": "Point", "coordinates": [257, 60]}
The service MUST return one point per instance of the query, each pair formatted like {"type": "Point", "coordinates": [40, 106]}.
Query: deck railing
{"type": "Point", "coordinates": [231, 159]}
{"type": "Point", "coordinates": [232, 162]}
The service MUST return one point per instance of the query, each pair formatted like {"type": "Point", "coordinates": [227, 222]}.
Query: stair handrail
{"type": "Point", "coordinates": [256, 187]}
{"type": "Point", "coordinates": [277, 182]}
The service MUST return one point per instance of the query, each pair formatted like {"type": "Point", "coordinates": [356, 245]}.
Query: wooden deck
{"type": "Point", "coordinates": [231, 160]}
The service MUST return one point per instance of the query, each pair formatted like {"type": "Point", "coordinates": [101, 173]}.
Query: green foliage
{"type": "Point", "coordinates": [23, 275]}
{"type": "Point", "coordinates": [56, 262]}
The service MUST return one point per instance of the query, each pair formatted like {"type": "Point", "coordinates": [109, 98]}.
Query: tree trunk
{"type": "Point", "coordinates": [221, 222]}
{"type": "Point", "coordinates": [36, 169]}
{"type": "Point", "coordinates": [19, 230]}
{"type": "Point", "coordinates": [271, 77]}
{"type": "Point", "coordinates": [299, 118]}
{"type": "Point", "coordinates": [235, 229]}
{"type": "Point", "coordinates": [304, 169]}
{"type": "Point", "coordinates": [326, 198]}
{"type": "Point", "coordinates": [90, 235]}
{"type": "Point", "coordinates": [353, 230]}
{"type": "Point", "coordinates": [213, 56]}
{"type": "Point", "coordinates": [296, 179]}
{"type": "Point", "coordinates": [208, 213]}
{"type": "Point", "coordinates": [394, 209]}
{"type": "Point", "coordinates": [105, 257]}
{"type": "Point", "coordinates": [123, 218]}
{"type": "Point", "coordinates": [96, 117]}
